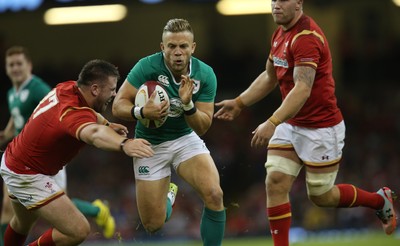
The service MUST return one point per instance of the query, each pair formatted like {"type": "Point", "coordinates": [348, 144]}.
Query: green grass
{"type": "Point", "coordinates": [357, 239]}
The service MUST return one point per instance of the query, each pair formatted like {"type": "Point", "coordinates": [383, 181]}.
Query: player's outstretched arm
{"type": "Point", "coordinates": [105, 138]}
{"type": "Point", "coordinates": [120, 129]}
{"type": "Point", "coordinates": [230, 109]}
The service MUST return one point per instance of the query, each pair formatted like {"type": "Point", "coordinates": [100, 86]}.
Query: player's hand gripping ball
{"type": "Point", "coordinates": [143, 96]}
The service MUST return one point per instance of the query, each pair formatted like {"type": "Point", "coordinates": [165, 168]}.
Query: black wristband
{"type": "Point", "coordinates": [141, 112]}
{"type": "Point", "coordinates": [190, 111]}
{"type": "Point", "coordinates": [133, 112]}
{"type": "Point", "coordinates": [121, 145]}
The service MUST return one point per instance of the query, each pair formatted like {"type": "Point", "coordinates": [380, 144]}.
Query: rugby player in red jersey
{"type": "Point", "coordinates": [307, 130]}
{"type": "Point", "coordinates": [65, 120]}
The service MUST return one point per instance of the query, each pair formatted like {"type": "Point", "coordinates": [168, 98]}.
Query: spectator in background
{"type": "Point", "coordinates": [63, 121]}
{"type": "Point", "coordinates": [307, 129]}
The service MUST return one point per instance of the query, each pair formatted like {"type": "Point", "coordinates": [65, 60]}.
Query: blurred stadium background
{"type": "Point", "coordinates": [364, 36]}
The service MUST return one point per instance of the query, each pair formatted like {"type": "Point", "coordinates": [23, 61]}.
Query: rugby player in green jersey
{"type": "Point", "coordinates": [191, 86]}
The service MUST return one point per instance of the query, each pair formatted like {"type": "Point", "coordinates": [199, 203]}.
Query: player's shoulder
{"type": "Point", "coordinates": [150, 63]}
{"type": "Point", "coordinates": [200, 65]}
{"type": "Point", "coordinates": [307, 29]}
{"type": "Point", "coordinates": [37, 82]}
{"type": "Point", "coordinates": [307, 24]}
{"type": "Point", "coordinates": [155, 58]}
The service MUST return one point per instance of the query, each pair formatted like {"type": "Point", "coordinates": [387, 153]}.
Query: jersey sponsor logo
{"type": "Point", "coordinates": [278, 62]}
{"type": "Point", "coordinates": [144, 170]}
{"type": "Point", "coordinates": [163, 80]}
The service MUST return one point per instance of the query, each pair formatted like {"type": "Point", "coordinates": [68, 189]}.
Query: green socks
{"type": "Point", "coordinates": [86, 208]}
{"type": "Point", "coordinates": [212, 227]}
{"type": "Point", "coordinates": [169, 210]}
{"type": "Point", "coordinates": [3, 228]}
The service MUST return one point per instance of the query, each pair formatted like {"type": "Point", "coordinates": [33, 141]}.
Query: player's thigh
{"type": "Point", "coordinates": [202, 174]}
{"type": "Point", "coordinates": [23, 220]}
{"type": "Point", "coordinates": [6, 210]}
{"type": "Point", "coordinates": [151, 197]}
{"type": "Point", "coordinates": [63, 215]}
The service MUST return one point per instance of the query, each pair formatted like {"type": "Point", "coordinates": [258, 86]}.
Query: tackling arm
{"type": "Point", "coordinates": [105, 138]}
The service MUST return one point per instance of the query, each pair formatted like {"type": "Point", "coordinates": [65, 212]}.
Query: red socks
{"type": "Point", "coordinates": [351, 196]}
{"type": "Point", "coordinates": [44, 240]}
{"type": "Point", "coordinates": [279, 221]}
{"type": "Point", "coordinates": [13, 238]}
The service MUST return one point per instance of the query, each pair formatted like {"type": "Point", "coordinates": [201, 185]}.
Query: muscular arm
{"type": "Point", "coordinates": [124, 101]}
{"type": "Point", "coordinates": [201, 121]}
{"type": "Point", "coordinates": [105, 138]}
{"type": "Point", "coordinates": [303, 78]}
{"type": "Point", "coordinates": [294, 101]}
{"type": "Point", "coordinates": [101, 136]}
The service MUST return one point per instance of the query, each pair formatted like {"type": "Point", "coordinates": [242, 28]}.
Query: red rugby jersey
{"type": "Point", "coordinates": [306, 45]}
{"type": "Point", "coordinates": [49, 139]}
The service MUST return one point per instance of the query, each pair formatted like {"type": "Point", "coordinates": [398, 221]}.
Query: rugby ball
{"type": "Point", "coordinates": [143, 95]}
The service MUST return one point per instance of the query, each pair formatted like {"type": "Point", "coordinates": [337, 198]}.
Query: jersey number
{"type": "Point", "coordinates": [52, 100]}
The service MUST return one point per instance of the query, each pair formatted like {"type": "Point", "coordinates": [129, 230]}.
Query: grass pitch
{"type": "Point", "coordinates": [355, 239]}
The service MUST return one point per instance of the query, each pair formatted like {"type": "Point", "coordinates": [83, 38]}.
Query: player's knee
{"type": "Point", "coordinates": [213, 198]}
{"type": "Point", "coordinates": [80, 233]}
{"type": "Point", "coordinates": [321, 200]}
{"type": "Point", "coordinates": [153, 224]}
{"type": "Point", "coordinates": [274, 183]}
{"type": "Point", "coordinates": [318, 187]}
{"type": "Point", "coordinates": [280, 173]}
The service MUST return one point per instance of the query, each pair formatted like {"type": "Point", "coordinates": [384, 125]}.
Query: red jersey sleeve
{"type": "Point", "coordinates": [75, 119]}
{"type": "Point", "coordinates": [307, 48]}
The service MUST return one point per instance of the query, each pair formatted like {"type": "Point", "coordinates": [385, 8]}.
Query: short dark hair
{"type": "Point", "coordinates": [16, 50]}
{"type": "Point", "coordinates": [97, 70]}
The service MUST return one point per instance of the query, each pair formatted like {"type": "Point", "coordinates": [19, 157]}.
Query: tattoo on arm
{"type": "Point", "coordinates": [304, 74]}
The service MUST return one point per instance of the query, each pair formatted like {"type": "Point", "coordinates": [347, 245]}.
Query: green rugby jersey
{"type": "Point", "coordinates": [153, 68]}
{"type": "Point", "coordinates": [22, 103]}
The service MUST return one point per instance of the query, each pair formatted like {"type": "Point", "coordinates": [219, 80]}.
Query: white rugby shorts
{"type": "Point", "coordinates": [316, 147]}
{"type": "Point", "coordinates": [167, 154]}
{"type": "Point", "coordinates": [31, 190]}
